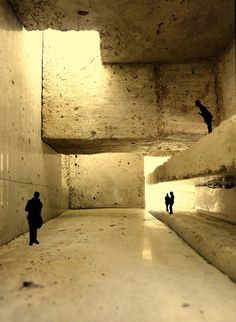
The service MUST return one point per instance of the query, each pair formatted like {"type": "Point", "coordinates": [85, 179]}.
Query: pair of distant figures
{"type": "Point", "coordinates": [169, 201]}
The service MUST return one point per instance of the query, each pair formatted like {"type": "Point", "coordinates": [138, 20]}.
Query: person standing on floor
{"type": "Point", "coordinates": [172, 201]}
{"type": "Point", "coordinates": [167, 202]}
{"type": "Point", "coordinates": [34, 207]}
{"type": "Point", "coordinates": [205, 114]}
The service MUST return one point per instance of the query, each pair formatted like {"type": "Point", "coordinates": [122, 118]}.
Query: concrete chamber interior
{"type": "Point", "coordinates": [98, 114]}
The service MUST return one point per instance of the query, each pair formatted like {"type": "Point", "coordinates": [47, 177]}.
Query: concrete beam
{"type": "Point", "coordinates": [139, 31]}
{"type": "Point", "coordinates": [213, 154]}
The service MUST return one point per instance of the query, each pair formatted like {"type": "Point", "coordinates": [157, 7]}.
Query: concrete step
{"type": "Point", "coordinates": [212, 238]}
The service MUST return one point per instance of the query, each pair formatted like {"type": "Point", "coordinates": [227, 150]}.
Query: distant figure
{"type": "Point", "coordinates": [34, 207]}
{"type": "Point", "coordinates": [172, 201]}
{"type": "Point", "coordinates": [167, 202]}
{"type": "Point", "coordinates": [205, 114]}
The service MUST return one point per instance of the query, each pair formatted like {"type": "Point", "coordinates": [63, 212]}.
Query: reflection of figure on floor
{"type": "Point", "coordinates": [167, 202]}
{"type": "Point", "coordinates": [205, 114]}
{"type": "Point", "coordinates": [172, 201]}
{"type": "Point", "coordinates": [34, 207]}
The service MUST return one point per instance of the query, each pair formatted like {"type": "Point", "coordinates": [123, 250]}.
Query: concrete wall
{"type": "Point", "coordinates": [226, 82]}
{"type": "Point", "coordinates": [218, 202]}
{"type": "Point", "coordinates": [85, 100]}
{"type": "Point", "coordinates": [26, 164]}
{"type": "Point", "coordinates": [89, 100]}
{"type": "Point", "coordinates": [107, 180]}
{"type": "Point", "coordinates": [178, 87]}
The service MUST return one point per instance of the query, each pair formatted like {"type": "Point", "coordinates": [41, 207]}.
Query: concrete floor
{"type": "Point", "coordinates": [110, 265]}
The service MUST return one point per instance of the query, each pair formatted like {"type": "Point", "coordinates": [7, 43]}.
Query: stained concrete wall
{"type": "Point", "coordinates": [107, 180]}
{"type": "Point", "coordinates": [85, 102]}
{"type": "Point", "coordinates": [226, 82]}
{"type": "Point", "coordinates": [88, 100]}
{"type": "Point", "coordinates": [26, 164]}
{"type": "Point", "coordinates": [178, 87]}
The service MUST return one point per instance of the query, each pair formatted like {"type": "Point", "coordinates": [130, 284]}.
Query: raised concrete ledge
{"type": "Point", "coordinates": [212, 238]}
{"type": "Point", "coordinates": [213, 154]}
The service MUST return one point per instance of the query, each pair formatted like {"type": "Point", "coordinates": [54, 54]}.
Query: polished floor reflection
{"type": "Point", "coordinates": [110, 265]}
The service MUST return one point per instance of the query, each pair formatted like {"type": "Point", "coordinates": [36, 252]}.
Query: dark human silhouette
{"type": "Point", "coordinates": [167, 202]}
{"type": "Point", "coordinates": [205, 114]}
{"type": "Point", "coordinates": [172, 201]}
{"type": "Point", "coordinates": [34, 207]}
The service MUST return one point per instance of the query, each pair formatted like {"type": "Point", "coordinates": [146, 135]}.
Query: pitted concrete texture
{"type": "Point", "coordinates": [90, 108]}
{"type": "Point", "coordinates": [139, 30]}
{"type": "Point", "coordinates": [107, 180]}
{"type": "Point", "coordinates": [213, 154]}
{"type": "Point", "coordinates": [212, 238]}
{"type": "Point", "coordinates": [225, 67]}
{"type": "Point", "coordinates": [95, 102]}
{"type": "Point", "coordinates": [177, 88]}
{"type": "Point", "coordinates": [110, 265]}
{"type": "Point", "coordinates": [163, 146]}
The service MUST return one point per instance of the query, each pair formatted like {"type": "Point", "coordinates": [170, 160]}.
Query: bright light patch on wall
{"type": "Point", "coordinates": [80, 48]}
{"type": "Point", "coordinates": [73, 59]}
{"type": "Point", "coordinates": [152, 196]}
{"type": "Point", "coordinates": [184, 190]}
{"type": "Point", "coordinates": [147, 254]}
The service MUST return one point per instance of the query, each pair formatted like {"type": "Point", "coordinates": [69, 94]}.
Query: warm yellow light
{"type": "Point", "coordinates": [184, 190]}
{"type": "Point", "coordinates": [79, 48]}
{"type": "Point", "coordinates": [147, 254]}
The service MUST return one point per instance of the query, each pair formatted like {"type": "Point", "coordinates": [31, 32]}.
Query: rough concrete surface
{"type": "Point", "coordinates": [139, 30]}
{"type": "Point", "coordinates": [89, 107]}
{"type": "Point", "coordinates": [178, 86]}
{"type": "Point", "coordinates": [212, 238]}
{"type": "Point", "coordinates": [218, 202]}
{"type": "Point", "coordinates": [26, 164]}
{"type": "Point", "coordinates": [150, 146]}
{"type": "Point", "coordinates": [106, 180]}
{"type": "Point", "coordinates": [96, 102]}
{"type": "Point", "coordinates": [213, 154]}
{"type": "Point", "coordinates": [110, 265]}
{"type": "Point", "coordinates": [225, 67]}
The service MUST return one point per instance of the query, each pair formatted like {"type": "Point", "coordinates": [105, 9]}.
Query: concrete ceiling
{"type": "Point", "coordinates": [139, 30]}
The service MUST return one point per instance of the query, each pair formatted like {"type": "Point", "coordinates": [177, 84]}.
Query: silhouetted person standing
{"type": "Point", "coordinates": [205, 114]}
{"type": "Point", "coordinates": [172, 201]}
{"type": "Point", "coordinates": [34, 207]}
{"type": "Point", "coordinates": [167, 202]}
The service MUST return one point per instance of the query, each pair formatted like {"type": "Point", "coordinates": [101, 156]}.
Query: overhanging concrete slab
{"type": "Point", "coordinates": [213, 154]}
